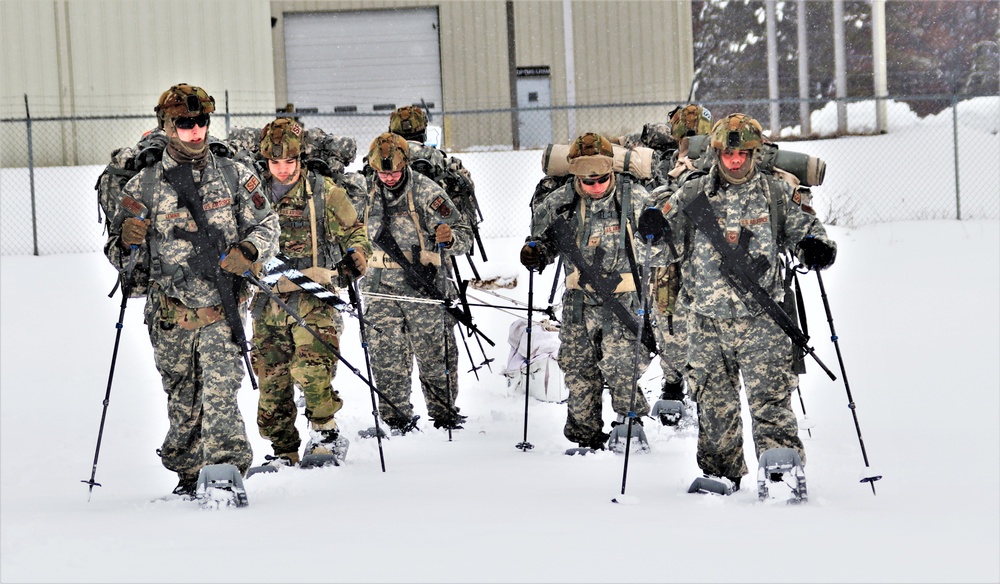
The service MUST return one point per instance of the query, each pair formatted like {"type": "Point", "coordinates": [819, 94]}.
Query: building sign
{"type": "Point", "coordinates": [537, 71]}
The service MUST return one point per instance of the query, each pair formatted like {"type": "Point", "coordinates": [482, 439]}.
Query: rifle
{"type": "Point", "coordinates": [422, 279]}
{"type": "Point", "coordinates": [562, 235]}
{"type": "Point", "coordinates": [209, 246]}
{"type": "Point", "coordinates": [743, 274]}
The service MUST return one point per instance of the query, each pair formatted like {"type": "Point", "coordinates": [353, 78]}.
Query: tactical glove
{"type": "Point", "coordinates": [816, 254]}
{"type": "Point", "coordinates": [652, 222]}
{"type": "Point", "coordinates": [134, 231]}
{"type": "Point", "coordinates": [357, 264]}
{"type": "Point", "coordinates": [443, 234]}
{"type": "Point", "coordinates": [531, 256]}
{"type": "Point", "coordinates": [236, 259]}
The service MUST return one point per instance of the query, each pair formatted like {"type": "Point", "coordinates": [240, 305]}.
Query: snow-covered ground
{"type": "Point", "coordinates": [916, 306]}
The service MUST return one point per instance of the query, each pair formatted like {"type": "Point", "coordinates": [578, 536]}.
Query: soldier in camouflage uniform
{"type": "Point", "coordinates": [319, 224]}
{"type": "Point", "coordinates": [596, 348]}
{"type": "Point", "coordinates": [419, 215]}
{"type": "Point", "coordinates": [410, 122]}
{"type": "Point", "coordinates": [671, 328]}
{"type": "Point", "coordinates": [199, 363]}
{"type": "Point", "coordinates": [729, 335]}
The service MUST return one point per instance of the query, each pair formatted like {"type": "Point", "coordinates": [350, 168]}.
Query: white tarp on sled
{"type": "Point", "coordinates": [546, 383]}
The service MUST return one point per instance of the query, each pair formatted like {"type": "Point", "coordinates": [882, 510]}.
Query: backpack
{"type": "Point", "coordinates": [125, 163]}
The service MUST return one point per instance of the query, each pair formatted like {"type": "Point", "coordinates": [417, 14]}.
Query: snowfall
{"type": "Point", "coordinates": [915, 306]}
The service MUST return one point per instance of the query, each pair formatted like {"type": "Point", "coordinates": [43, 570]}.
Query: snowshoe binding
{"type": "Point", "coordinates": [326, 446]}
{"type": "Point", "coordinates": [220, 486]}
{"type": "Point", "coordinates": [669, 409]}
{"type": "Point", "coordinates": [715, 485]}
{"type": "Point", "coordinates": [396, 428]}
{"type": "Point", "coordinates": [782, 465]}
{"type": "Point", "coordinates": [598, 442]}
{"type": "Point", "coordinates": [275, 463]}
{"type": "Point", "coordinates": [620, 436]}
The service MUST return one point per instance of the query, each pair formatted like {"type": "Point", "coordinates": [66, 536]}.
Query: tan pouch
{"type": "Point", "coordinates": [626, 285]}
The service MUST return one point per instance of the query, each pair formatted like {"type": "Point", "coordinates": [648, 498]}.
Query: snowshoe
{"type": "Point", "coordinates": [373, 432]}
{"type": "Point", "coordinates": [274, 463]}
{"type": "Point", "coordinates": [220, 486]}
{"type": "Point", "coordinates": [325, 447]}
{"type": "Point", "coordinates": [668, 411]}
{"type": "Point", "coordinates": [619, 436]}
{"type": "Point", "coordinates": [580, 450]}
{"type": "Point", "coordinates": [396, 428]}
{"type": "Point", "coordinates": [782, 465]}
{"type": "Point", "coordinates": [715, 485]}
{"type": "Point", "coordinates": [450, 422]}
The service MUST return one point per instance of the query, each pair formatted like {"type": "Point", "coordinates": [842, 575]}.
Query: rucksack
{"type": "Point", "coordinates": [128, 161]}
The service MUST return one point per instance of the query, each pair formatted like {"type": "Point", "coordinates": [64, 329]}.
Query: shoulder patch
{"type": "Point", "coordinates": [441, 207]}
{"type": "Point", "coordinates": [797, 198]}
{"type": "Point", "coordinates": [252, 184]}
{"type": "Point", "coordinates": [258, 201]}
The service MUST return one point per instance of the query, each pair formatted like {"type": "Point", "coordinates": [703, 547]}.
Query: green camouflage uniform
{"type": "Point", "coordinates": [726, 337]}
{"type": "Point", "coordinates": [595, 347]}
{"type": "Point", "coordinates": [402, 330]}
{"type": "Point", "coordinates": [285, 353]}
{"type": "Point", "coordinates": [200, 366]}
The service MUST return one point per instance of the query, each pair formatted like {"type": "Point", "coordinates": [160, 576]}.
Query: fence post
{"type": "Point", "coordinates": [227, 113]}
{"type": "Point", "coordinates": [31, 177]}
{"type": "Point", "coordinates": [954, 131]}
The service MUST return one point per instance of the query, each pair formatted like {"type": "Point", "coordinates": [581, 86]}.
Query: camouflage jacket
{"type": "Point", "coordinates": [412, 215]}
{"type": "Point", "coordinates": [737, 207]}
{"type": "Point", "coordinates": [233, 202]}
{"type": "Point", "coordinates": [339, 228]}
{"type": "Point", "coordinates": [597, 224]}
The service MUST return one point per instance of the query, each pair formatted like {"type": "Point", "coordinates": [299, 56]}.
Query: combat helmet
{"type": "Point", "coordinates": [409, 122]}
{"type": "Point", "coordinates": [281, 139]}
{"type": "Point", "coordinates": [737, 132]}
{"type": "Point", "coordinates": [183, 100]}
{"type": "Point", "coordinates": [690, 120]}
{"type": "Point", "coordinates": [590, 155]}
{"type": "Point", "coordinates": [389, 153]}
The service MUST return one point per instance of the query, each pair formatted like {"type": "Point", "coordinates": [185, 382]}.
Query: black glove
{"type": "Point", "coordinates": [652, 222]}
{"type": "Point", "coordinates": [531, 255]}
{"type": "Point", "coordinates": [816, 254]}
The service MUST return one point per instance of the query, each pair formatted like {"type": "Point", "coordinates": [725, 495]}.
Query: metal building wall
{"type": "Point", "coordinates": [624, 51]}
{"type": "Point", "coordinates": [107, 57]}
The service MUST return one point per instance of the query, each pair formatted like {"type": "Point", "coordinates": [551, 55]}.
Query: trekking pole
{"type": "Point", "coordinates": [555, 281]}
{"type": "Point", "coordinates": [356, 301]}
{"type": "Point", "coordinates": [850, 400]}
{"type": "Point", "coordinates": [524, 445]}
{"type": "Point", "coordinates": [475, 369]}
{"type": "Point", "coordinates": [800, 306]}
{"type": "Point", "coordinates": [635, 367]}
{"type": "Point", "coordinates": [126, 290]}
{"type": "Point", "coordinates": [444, 324]}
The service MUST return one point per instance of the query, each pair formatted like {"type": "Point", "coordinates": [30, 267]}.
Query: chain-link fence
{"type": "Point", "coordinates": [49, 166]}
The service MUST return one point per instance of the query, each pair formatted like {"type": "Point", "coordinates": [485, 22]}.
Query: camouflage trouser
{"type": "Point", "coordinates": [202, 370]}
{"type": "Point", "coordinates": [409, 330]}
{"type": "Point", "coordinates": [671, 324]}
{"type": "Point", "coordinates": [287, 355]}
{"type": "Point", "coordinates": [673, 347]}
{"type": "Point", "coordinates": [720, 350]}
{"type": "Point", "coordinates": [597, 350]}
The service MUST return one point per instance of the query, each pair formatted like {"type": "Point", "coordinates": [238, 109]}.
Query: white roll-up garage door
{"type": "Point", "coordinates": [365, 62]}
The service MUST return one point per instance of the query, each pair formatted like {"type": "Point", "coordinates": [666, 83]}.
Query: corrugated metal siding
{"type": "Point", "coordinates": [112, 57]}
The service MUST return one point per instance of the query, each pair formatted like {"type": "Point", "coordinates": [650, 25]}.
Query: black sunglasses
{"type": "Point", "coordinates": [596, 181]}
{"type": "Point", "coordinates": [190, 123]}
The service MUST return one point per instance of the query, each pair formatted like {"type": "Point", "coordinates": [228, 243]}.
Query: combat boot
{"type": "Point", "coordinates": [325, 440]}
